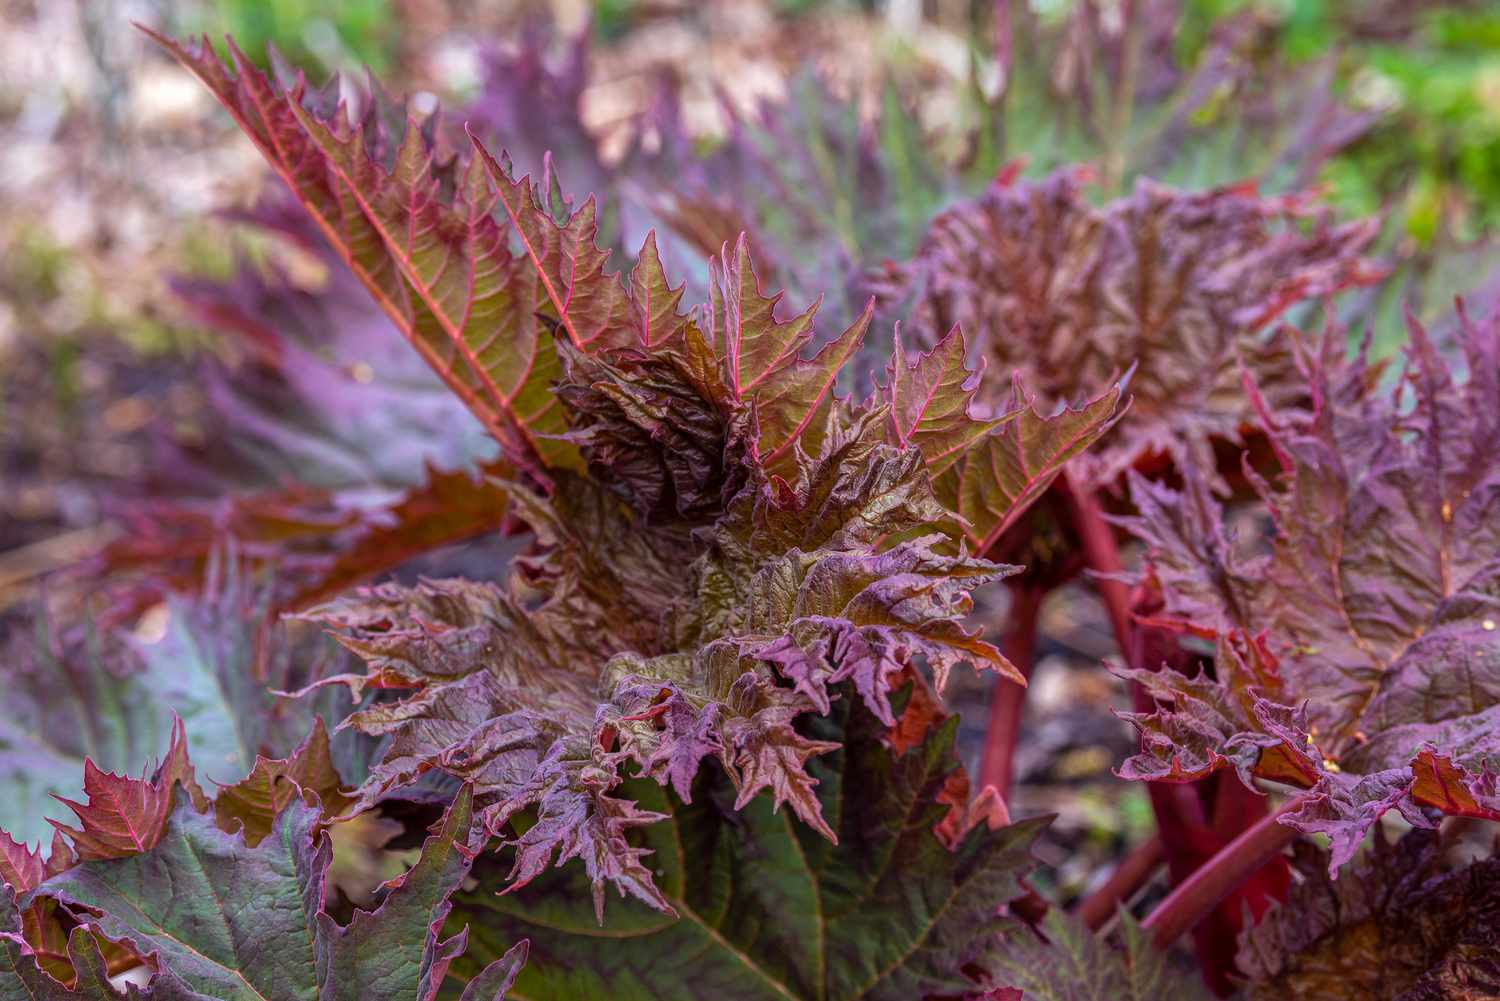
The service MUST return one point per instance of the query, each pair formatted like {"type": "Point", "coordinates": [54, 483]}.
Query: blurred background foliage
{"type": "Point", "coordinates": [1431, 71]}
{"type": "Point", "coordinates": [118, 173]}
{"type": "Point", "coordinates": [320, 36]}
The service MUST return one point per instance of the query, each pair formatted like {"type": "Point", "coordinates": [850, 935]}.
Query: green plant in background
{"type": "Point", "coordinates": [309, 33]}
{"type": "Point", "coordinates": [1431, 72]}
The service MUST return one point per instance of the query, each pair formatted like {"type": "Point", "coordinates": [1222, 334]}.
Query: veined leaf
{"type": "Point", "coordinates": [326, 393]}
{"type": "Point", "coordinates": [763, 356]}
{"type": "Point", "coordinates": [252, 804]}
{"type": "Point", "coordinates": [988, 472]}
{"type": "Point", "coordinates": [220, 919]}
{"type": "Point", "coordinates": [126, 816]}
{"type": "Point", "coordinates": [422, 237]}
{"type": "Point", "coordinates": [1178, 285]}
{"type": "Point", "coordinates": [1376, 607]}
{"type": "Point", "coordinates": [764, 908]}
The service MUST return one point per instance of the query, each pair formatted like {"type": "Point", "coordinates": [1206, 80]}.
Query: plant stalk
{"type": "Point", "coordinates": [1181, 817]}
{"type": "Point", "coordinates": [1102, 556]}
{"type": "Point", "coordinates": [1008, 699]}
{"type": "Point", "coordinates": [1196, 897]}
{"type": "Point", "coordinates": [1133, 872]}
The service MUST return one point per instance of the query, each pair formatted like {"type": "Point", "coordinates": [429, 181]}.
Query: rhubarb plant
{"type": "Point", "coordinates": [685, 735]}
{"type": "Point", "coordinates": [709, 517]}
{"type": "Point", "coordinates": [717, 540]}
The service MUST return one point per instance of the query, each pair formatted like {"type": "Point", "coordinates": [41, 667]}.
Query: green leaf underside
{"type": "Point", "coordinates": [81, 697]}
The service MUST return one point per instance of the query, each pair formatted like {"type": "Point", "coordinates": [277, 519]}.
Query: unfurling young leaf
{"type": "Point", "coordinates": [718, 536]}
{"type": "Point", "coordinates": [1360, 658]}
{"type": "Point", "coordinates": [125, 816]}
{"type": "Point", "coordinates": [422, 236]}
{"type": "Point", "coordinates": [665, 644]}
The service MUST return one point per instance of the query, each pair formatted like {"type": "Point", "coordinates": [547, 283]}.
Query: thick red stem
{"type": "Point", "coordinates": [1130, 875]}
{"type": "Point", "coordinates": [1008, 699]}
{"type": "Point", "coordinates": [1182, 822]}
{"type": "Point", "coordinates": [1102, 556]}
{"type": "Point", "coordinates": [1196, 897]}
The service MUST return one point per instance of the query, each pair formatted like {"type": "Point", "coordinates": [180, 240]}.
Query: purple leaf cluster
{"type": "Point", "coordinates": [1359, 657]}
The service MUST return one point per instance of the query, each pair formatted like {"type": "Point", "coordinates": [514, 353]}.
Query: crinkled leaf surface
{"type": "Point", "coordinates": [1401, 925]}
{"type": "Point", "coordinates": [624, 642]}
{"type": "Point", "coordinates": [1178, 284]}
{"type": "Point", "coordinates": [1361, 656]}
{"type": "Point", "coordinates": [220, 919]}
{"type": "Point", "coordinates": [1065, 961]}
{"type": "Point", "coordinates": [718, 536]}
{"type": "Point", "coordinates": [765, 907]}
{"type": "Point", "coordinates": [24, 974]}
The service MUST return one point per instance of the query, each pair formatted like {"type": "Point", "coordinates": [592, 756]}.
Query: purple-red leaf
{"type": "Point", "coordinates": [251, 805]}
{"type": "Point", "coordinates": [126, 816]}
{"type": "Point", "coordinates": [986, 471]}
{"type": "Point", "coordinates": [1068, 296]}
{"type": "Point", "coordinates": [1360, 657]}
{"type": "Point", "coordinates": [649, 643]}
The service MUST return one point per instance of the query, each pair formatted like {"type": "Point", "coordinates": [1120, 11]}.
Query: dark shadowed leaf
{"type": "Point", "coordinates": [1069, 962]}
{"type": "Point", "coordinates": [1399, 925]}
